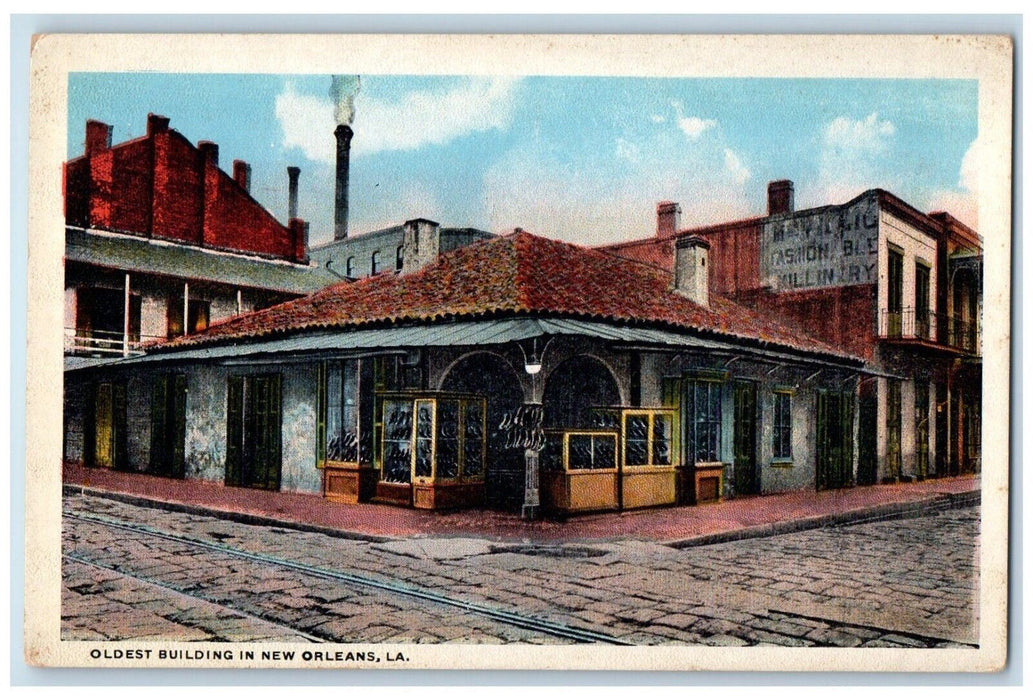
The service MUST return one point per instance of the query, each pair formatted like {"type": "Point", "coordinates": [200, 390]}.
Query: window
{"type": "Point", "coordinates": [648, 436]}
{"type": "Point", "coordinates": [706, 421]}
{"type": "Point", "coordinates": [922, 329]}
{"type": "Point", "coordinates": [398, 259]}
{"type": "Point", "coordinates": [894, 292]}
{"type": "Point", "coordinates": [782, 426]}
{"type": "Point", "coordinates": [100, 320]}
{"type": "Point", "coordinates": [338, 428]}
{"type": "Point", "coordinates": [198, 316]}
{"type": "Point", "coordinates": [374, 262]}
{"type": "Point", "coordinates": [579, 450]}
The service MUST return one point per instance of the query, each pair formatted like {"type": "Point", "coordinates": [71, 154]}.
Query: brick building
{"type": "Point", "coordinates": [160, 242]}
{"type": "Point", "coordinates": [878, 279]}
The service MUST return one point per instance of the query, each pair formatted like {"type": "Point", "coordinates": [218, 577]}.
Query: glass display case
{"type": "Point", "coordinates": [431, 449]}
{"type": "Point", "coordinates": [625, 460]}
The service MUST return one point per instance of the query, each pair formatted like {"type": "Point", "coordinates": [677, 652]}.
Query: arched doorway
{"type": "Point", "coordinates": [491, 376]}
{"type": "Point", "coordinates": [576, 386]}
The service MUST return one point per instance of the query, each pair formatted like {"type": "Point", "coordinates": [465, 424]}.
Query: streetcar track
{"type": "Point", "coordinates": [164, 586]}
{"type": "Point", "coordinates": [556, 629]}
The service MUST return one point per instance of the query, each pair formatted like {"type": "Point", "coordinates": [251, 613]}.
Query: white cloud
{"type": "Point", "coordinates": [852, 159]}
{"type": "Point", "coordinates": [418, 119]}
{"type": "Point", "coordinates": [693, 127]}
{"type": "Point", "coordinates": [735, 168]}
{"type": "Point", "coordinates": [627, 150]}
{"type": "Point", "coordinates": [962, 203]}
{"type": "Point", "coordinates": [658, 118]}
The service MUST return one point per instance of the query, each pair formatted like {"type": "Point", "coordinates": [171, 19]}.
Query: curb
{"type": "Point", "coordinates": [872, 514]}
{"type": "Point", "coordinates": [243, 518]}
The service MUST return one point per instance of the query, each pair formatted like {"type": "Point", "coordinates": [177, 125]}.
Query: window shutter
{"type": "Point", "coordinates": [234, 429]}
{"type": "Point", "coordinates": [118, 420]}
{"type": "Point", "coordinates": [178, 425]}
{"type": "Point", "coordinates": [321, 414]}
{"type": "Point", "coordinates": [273, 434]}
{"type": "Point", "coordinates": [158, 418]}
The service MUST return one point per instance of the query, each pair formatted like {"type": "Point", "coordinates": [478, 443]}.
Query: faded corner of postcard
{"type": "Point", "coordinates": [377, 361]}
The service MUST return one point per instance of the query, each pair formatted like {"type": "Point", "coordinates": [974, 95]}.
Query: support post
{"type": "Point", "coordinates": [240, 303]}
{"type": "Point", "coordinates": [186, 307]}
{"type": "Point", "coordinates": [125, 320]}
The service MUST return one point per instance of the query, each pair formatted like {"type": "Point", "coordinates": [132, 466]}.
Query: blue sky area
{"type": "Point", "coordinates": [578, 158]}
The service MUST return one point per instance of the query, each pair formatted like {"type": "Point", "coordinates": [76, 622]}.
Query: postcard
{"type": "Point", "coordinates": [519, 352]}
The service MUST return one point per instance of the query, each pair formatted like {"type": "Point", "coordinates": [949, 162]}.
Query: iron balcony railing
{"type": "Point", "coordinates": [922, 324]}
{"type": "Point", "coordinates": [108, 343]}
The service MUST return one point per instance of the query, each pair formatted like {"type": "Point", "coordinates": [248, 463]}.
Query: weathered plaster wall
{"type": "Point", "coordinates": [298, 466]}
{"type": "Point", "coordinates": [206, 423]}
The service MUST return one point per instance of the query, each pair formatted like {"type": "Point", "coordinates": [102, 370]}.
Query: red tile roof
{"type": "Point", "coordinates": [511, 275]}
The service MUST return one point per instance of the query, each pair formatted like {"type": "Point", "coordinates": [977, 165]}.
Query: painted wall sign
{"type": "Point", "coordinates": [835, 247]}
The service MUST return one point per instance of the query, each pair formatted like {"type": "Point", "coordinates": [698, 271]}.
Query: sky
{"type": "Point", "coordinates": [582, 159]}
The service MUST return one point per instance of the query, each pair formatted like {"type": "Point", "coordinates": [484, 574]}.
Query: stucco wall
{"type": "Point", "coordinates": [206, 423]}
{"type": "Point", "coordinates": [298, 466]}
{"type": "Point", "coordinates": [76, 393]}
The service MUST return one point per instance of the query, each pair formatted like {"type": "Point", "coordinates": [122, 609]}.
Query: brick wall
{"type": "Point", "coordinates": [161, 185]}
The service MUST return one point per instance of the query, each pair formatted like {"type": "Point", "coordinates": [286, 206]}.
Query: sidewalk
{"type": "Point", "coordinates": [755, 516]}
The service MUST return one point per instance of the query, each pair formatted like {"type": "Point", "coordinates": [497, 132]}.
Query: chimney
{"type": "Point", "coordinates": [780, 197]}
{"type": "Point", "coordinates": [98, 137]}
{"type": "Point", "coordinates": [157, 124]}
{"type": "Point", "coordinates": [421, 241]}
{"type": "Point", "coordinates": [344, 134]}
{"type": "Point", "coordinates": [242, 174]}
{"type": "Point", "coordinates": [292, 191]}
{"type": "Point", "coordinates": [691, 277]}
{"type": "Point", "coordinates": [299, 235]}
{"type": "Point", "coordinates": [210, 151]}
{"type": "Point", "coordinates": [668, 219]}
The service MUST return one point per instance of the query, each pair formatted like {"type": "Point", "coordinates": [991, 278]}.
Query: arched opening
{"type": "Point", "coordinates": [491, 376]}
{"type": "Point", "coordinates": [576, 386]}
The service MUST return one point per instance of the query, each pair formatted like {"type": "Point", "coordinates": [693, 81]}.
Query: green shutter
{"type": "Point", "coordinates": [234, 429]}
{"type": "Point", "coordinates": [118, 428]}
{"type": "Point", "coordinates": [321, 407]}
{"type": "Point", "coordinates": [158, 418]}
{"type": "Point", "coordinates": [179, 425]}
{"type": "Point", "coordinates": [274, 428]}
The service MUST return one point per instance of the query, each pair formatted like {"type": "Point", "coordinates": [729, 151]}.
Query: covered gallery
{"type": "Point", "coordinates": [516, 372]}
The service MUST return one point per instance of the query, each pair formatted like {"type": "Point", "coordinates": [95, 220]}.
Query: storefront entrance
{"type": "Point", "coordinates": [835, 422]}
{"type": "Point", "coordinates": [253, 432]}
{"type": "Point", "coordinates": [745, 439]}
{"type": "Point", "coordinates": [491, 376]}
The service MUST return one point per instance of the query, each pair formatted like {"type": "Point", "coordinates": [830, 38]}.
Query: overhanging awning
{"type": "Point", "coordinates": [468, 333]}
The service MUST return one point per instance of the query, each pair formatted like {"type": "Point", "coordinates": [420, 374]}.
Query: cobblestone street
{"type": "Point", "coordinates": [903, 583]}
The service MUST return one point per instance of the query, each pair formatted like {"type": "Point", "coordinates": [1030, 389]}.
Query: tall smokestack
{"type": "Point", "coordinates": [343, 89]}
{"type": "Point", "coordinates": [293, 172]}
{"type": "Point", "coordinates": [344, 134]}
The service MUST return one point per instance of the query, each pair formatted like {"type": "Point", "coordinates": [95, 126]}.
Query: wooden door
{"type": "Point", "coordinates": [835, 423]}
{"type": "Point", "coordinates": [253, 434]}
{"type": "Point", "coordinates": [168, 426]}
{"type": "Point", "coordinates": [745, 438]}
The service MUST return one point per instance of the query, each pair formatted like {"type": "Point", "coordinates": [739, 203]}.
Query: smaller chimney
{"type": "Point", "coordinates": [421, 241]}
{"type": "Point", "coordinates": [299, 234]}
{"type": "Point", "coordinates": [157, 124]}
{"type": "Point", "coordinates": [292, 191]}
{"type": "Point", "coordinates": [668, 219]}
{"type": "Point", "coordinates": [343, 133]}
{"type": "Point", "coordinates": [242, 174]}
{"type": "Point", "coordinates": [98, 137]}
{"type": "Point", "coordinates": [780, 197]}
{"type": "Point", "coordinates": [210, 151]}
{"type": "Point", "coordinates": [691, 277]}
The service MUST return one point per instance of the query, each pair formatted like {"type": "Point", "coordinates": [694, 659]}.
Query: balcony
{"type": "Point", "coordinates": [923, 326]}
{"type": "Point", "coordinates": [97, 343]}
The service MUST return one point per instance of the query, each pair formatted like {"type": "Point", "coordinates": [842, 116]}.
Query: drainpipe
{"type": "Point", "coordinates": [186, 306]}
